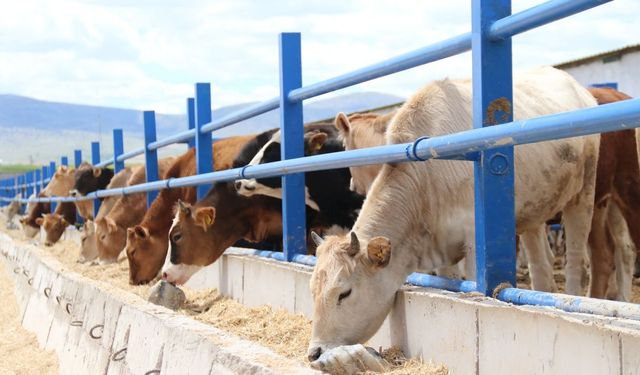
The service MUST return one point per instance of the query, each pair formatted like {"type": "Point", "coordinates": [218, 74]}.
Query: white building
{"type": "Point", "coordinates": [619, 69]}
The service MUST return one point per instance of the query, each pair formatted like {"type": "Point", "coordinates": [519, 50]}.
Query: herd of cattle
{"type": "Point", "coordinates": [422, 210]}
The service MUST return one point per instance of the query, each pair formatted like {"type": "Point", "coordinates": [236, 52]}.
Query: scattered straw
{"type": "Point", "coordinates": [19, 350]}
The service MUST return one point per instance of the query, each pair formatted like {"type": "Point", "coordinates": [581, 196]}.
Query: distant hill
{"type": "Point", "coordinates": [38, 131]}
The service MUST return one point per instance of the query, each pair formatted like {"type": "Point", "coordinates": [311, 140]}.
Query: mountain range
{"type": "Point", "coordinates": [36, 131]}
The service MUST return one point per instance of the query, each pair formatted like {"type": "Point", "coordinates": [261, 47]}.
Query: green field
{"type": "Point", "coordinates": [16, 168]}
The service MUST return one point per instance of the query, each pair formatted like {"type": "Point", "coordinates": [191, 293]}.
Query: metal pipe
{"type": "Point", "coordinates": [131, 154]}
{"type": "Point", "coordinates": [241, 115]}
{"type": "Point", "coordinates": [438, 282]}
{"type": "Point", "coordinates": [176, 138]}
{"type": "Point", "coordinates": [539, 15]}
{"type": "Point", "coordinates": [571, 303]}
{"type": "Point", "coordinates": [609, 117]}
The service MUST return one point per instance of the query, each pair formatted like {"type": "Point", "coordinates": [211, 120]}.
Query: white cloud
{"type": "Point", "coordinates": [147, 54]}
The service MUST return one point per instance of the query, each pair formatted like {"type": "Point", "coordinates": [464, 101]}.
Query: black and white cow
{"type": "Point", "coordinates": [325, 191]}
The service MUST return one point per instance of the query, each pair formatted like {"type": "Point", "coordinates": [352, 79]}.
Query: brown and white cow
{"type": "Point", "coordinates": [146, 243]}
{"type": "Point", "coordinates": [127, 211]}
{"type": "Point", "coordinates": [60, 184]}
{"type": "Point", "coordinates": [55, 224]}
{"type": "Point", "coordinates": [89, 246]}
{"type": "Point", "coordinates": [419, 216]}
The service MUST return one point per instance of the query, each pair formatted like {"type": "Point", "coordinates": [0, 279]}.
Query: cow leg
{"type": "Point", "coordinates": [601, 251]}
{"type": "Point", "coordinates": [538, 252]}
{"type": "Point", "coordinates": [624, 256]}
{"type": "Point", "coordinates": [577, 223]}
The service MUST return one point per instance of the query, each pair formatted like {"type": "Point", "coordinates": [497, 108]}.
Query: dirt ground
{"type": "Point", "coordinates": [19, 351]}
{"type": "Point", "coordinates": [285, 333]}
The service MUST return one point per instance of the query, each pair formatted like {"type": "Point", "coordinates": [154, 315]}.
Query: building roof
{"type": "Point", "coordinates": [602, 55]}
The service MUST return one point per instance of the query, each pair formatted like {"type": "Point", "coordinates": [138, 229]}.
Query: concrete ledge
{"type": "Point", "coordinates": [468, 333]}
{"type": "Point", "coordinates": [130, 336]}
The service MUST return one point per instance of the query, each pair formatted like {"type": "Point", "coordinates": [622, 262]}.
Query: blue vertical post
{"type": "Point", "coordinates": [191, 119]}
{"type": "Point", "coordinates": [150, 156]}
{"type": "Point", "coordinates": [38, 173]}
{"type": "Point", "coordinates": [494, 172]}
{"type": "Point", "coordinates": [45, 176]}
{"type": "Point", "coordinates": [292, 146]}
{"type": "Point", "coordinates": [52, 172]}
{"type": "Point", "coordinates": [77, 158]}
{"type": "Point", "coordinates": [3, 192]}
{"type": "Point", "coordinates": [64, 161]}
{"type": "Point", "coordinates": [30, 183]}
{"type": "Point", "coordinates": [118, 149]}
{"type": "Point", "coordinates": [204, 152]}
{"type": "Point", "coordinates": [95, 159]}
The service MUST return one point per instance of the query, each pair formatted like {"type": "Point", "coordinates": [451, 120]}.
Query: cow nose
{"type": "Point", "coordinates": [314, 354]}
{"type": "Point", "coordinates": [47, 243]}
{"type": "Point", "coordinates": [238, 185]}
{"type": "Point", "coordinates": [164, 276]}
{"type": "Point", "coordinates": [73, 193]}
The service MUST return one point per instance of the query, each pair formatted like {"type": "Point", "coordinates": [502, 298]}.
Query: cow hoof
{"type": "Point", "coordinates": [350, 359]}
{"type": "Point", "coordinates": [167, 295]}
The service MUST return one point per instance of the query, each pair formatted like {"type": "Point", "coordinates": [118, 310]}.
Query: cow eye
{"type": "Point", "coordinates": [344, 295]}
{"type": "Point", "coordinates": [177, 237]}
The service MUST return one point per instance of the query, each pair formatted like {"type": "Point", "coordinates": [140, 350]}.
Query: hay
{"type": "Point", "coordinates": [285, 333]}
{"type": "Point", "coordinates": [19, 350]}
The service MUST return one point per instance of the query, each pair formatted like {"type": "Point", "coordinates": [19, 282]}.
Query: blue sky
{"type": "Point", "coordinates": [147, 54]}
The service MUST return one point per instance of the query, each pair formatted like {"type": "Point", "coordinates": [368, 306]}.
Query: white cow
{"type": "Point", "coordinates": [419, 216]}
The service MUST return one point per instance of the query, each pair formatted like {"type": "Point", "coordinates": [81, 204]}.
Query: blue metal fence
{"type": "Point", "coordinates": [490, 40]}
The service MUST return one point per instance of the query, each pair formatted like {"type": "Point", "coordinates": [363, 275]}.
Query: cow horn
{"type": "Point", "coordinates": [354, 245]}
{"type": "Point", "coordinates": [183, 207]}
{"type": "Point", "coordinates": [316, 238]}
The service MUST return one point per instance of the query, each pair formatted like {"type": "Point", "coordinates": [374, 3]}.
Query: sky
{"type": "Point", "coordinates": [147, 54]}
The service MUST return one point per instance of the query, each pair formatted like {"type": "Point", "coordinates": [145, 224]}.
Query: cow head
{"type": "Point", "coordinates": [362, 131]}
{"type": "Point", "coordinates": [314, 141]}
{"type": "Point", "coordinates": [89, 246]}
{"type": "Point", "coordinates": [110, 239]}
{"type": "Point", "coordinates": [352, 292]}
{"type": "Point", "coordinates": [145, 253]}
{"type": "Point", "coordinates": [29, 227]}
{"type": "Point", "coordinates": [186, 237]}
{"type": "Point", "coordinates": [201, 233]}
{"type": "Point", "coordinates": [53, 225]}
{"type": "Point", "coordinates": [88, 179]}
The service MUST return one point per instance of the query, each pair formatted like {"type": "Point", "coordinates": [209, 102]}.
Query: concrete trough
{"type": "Point", "coordinates": [468, 333]}
{"type": "Point", "coordinates": [96, 329]}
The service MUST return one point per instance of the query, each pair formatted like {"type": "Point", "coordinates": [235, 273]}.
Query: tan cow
{"type": "Point", "coordinates": [89, 246]}
{"type": "Point", "coordinates": [55, 224]}
{"type": "Point", "coordinates": [419, 216]}
{"type": "Point", "coordinates": [127, 211]}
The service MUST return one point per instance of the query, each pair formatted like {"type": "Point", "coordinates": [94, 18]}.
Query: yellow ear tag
{"type": "Point", "coordinates": [208, 220]}
{"type": "Point", "coordinates": [317, 147]}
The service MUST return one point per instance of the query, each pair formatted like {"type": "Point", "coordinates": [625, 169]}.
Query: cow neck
{"type": "Point", "coordinates": [159, 217]}
{"type": "Point", "coordinates": [128, 210]}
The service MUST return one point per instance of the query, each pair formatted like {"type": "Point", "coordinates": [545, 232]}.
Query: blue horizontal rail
{"type": "Point", "coordinates": [516, 296]}
{"type": "Point", "coordinates": [520, 22]}
{"type": "Point", "coordinates": [605, 118]}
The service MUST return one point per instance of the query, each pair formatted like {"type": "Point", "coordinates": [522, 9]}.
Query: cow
{"type": "Point", "coordinates": [35, 210]}
{"type": "Point", "coordinates": [202, 232]}
{"type": "Point", "coordinates": [362, 130]}
{"type": "Point", "coordinates": [419, 216]}
{"type": "Point", "coordinates": [55, 224]}
{"type": "Point", "coordinates": [617, 183]}
{"type": "Point", "coordinates": [13, 209]}
{"type": "Point", "coordinates": [146, 243]}
{"type": "Point", "coordinates": [60, 184]}
{"type": "Point", "coordinates": [89, 246]}
{"type": "Point", "coordinates": [88, 179]}
{"type": "Point", "coordinates": [127, 211]}
{"type": "Point", "coordinates": [325, 191]}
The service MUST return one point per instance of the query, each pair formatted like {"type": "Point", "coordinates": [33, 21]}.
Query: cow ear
{"type": "Point", "coordinates": [379, 251]}
{"type": "Point", "coordinates": [97, 172]}
{"type": "Point", "coordinates": [63, 169]}
{"type": "Point", "coordinates": [140, 231]}
{"type": "Point", "coordinates": [317, 140]}
{"type": "Point", "coordinates": [39, 221]}
{"type": "Point", "coordinates": [342, 123]}
{"type": "Point", "coordinates": [205, 217]}
{"type": "Point", "coordinates": [316, 238]}
{"type": "Point", "coordinates": [65, 223]}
